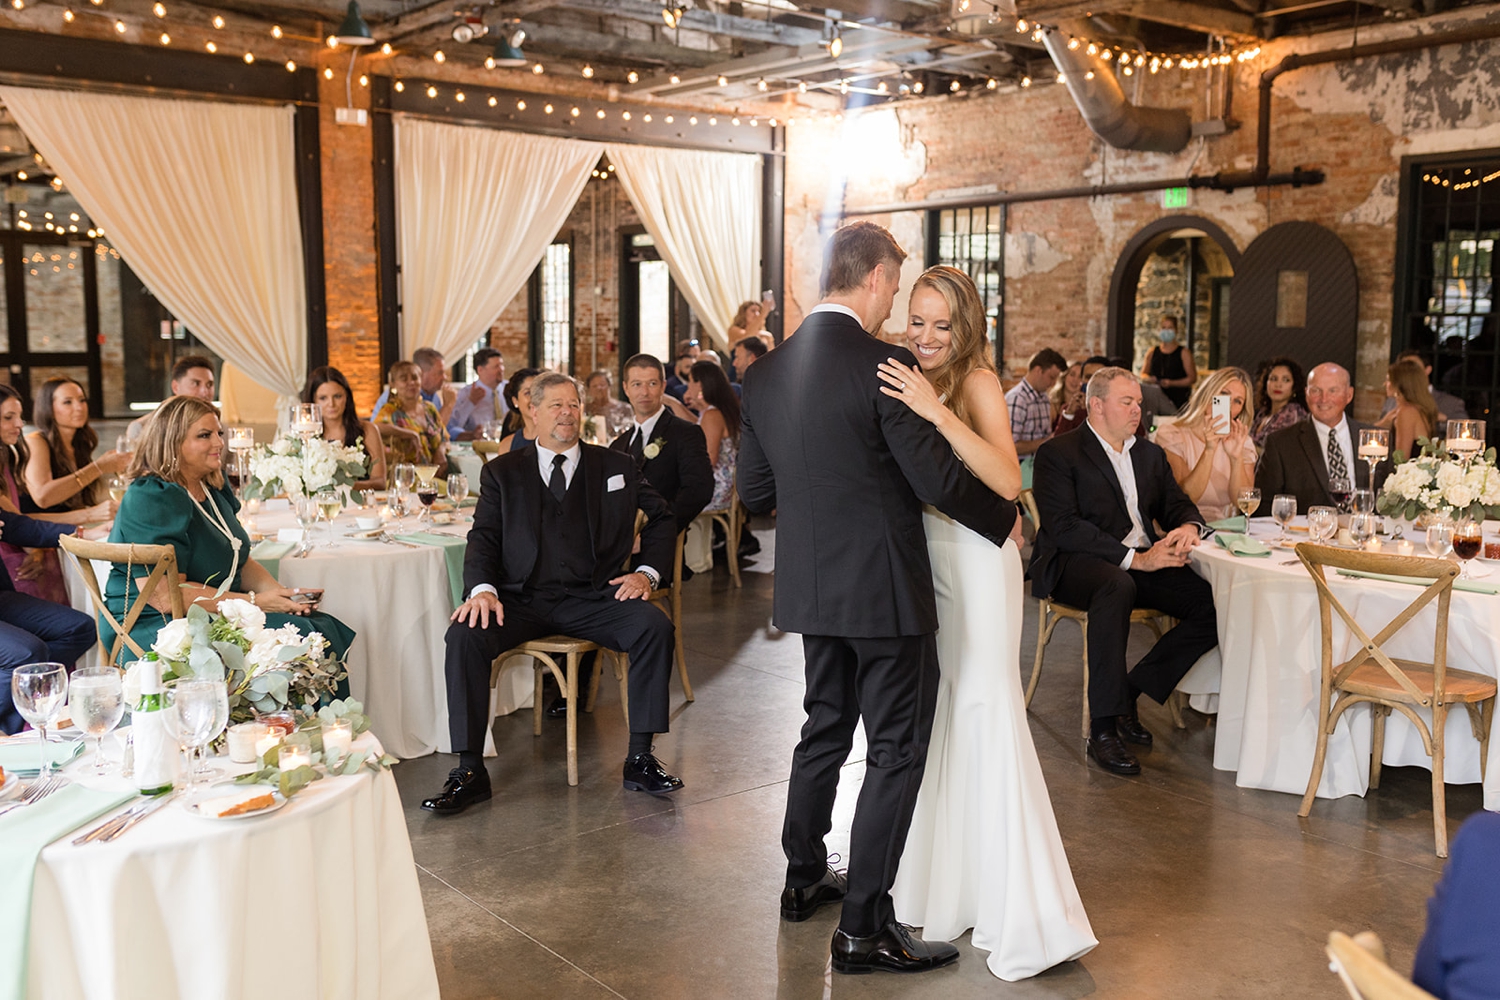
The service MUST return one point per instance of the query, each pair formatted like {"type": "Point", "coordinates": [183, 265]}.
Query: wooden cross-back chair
{"type": "Point", "coordinates": [1388, 683]}
{"type": "Point", "coordinates": [163, 562]}
{"type": "Point", "coordinates": [1360, 963]}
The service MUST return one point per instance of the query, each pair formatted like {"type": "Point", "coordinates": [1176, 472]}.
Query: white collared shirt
{"type": "Point", "coordinates": [645, 427]}
{"type": "Point", "coordinates": [1347, 446]}
{"type": "Point", "coordinates": [570, 463]}
{"type": "Point", "coordinates": [834, 307]}
{"type": "Point", "coordinates": [1125, 473]}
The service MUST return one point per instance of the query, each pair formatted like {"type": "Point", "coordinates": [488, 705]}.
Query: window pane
{"type": "Point", "coordinates": [976, 248]}
{"type": "Point", "coordinates": [54, 299]}
{"type": "Point", "coordinates": [655, 316]}
{"type": "Point", "coordinates": [557, 323]}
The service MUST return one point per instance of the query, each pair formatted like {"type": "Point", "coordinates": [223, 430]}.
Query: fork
{"type": "Point", "coordinates": [39, 790]}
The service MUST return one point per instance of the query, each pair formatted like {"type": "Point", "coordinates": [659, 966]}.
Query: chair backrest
{"type": "Point", "coordinates": [1028, 501]}
{"type": "Point", "coordinates": [486, 450]}
{"type": "Point", "coordinates": [1361, 965]}
{"type": "Point", "coordinates": [163, 562]}
{"type": "Point", "coordinates": [1440, 572]}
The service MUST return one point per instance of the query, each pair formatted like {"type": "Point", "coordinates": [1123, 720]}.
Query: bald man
{"type": "Point", "coordinates": [1301, 459]}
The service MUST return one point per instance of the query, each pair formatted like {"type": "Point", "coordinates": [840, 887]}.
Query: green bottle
{"type": "Point", "coordinates": [155, 750]}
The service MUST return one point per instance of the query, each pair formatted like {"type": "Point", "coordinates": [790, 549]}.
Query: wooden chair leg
{"type": "Point", "coordinates": [622, 674]}
{"type": "Point", "coordinates": [1324, 725]}
{"type": "Point", "coordinates": [1083, 625]}
{"type": "Point", "coordinates": [536, 696]}
{"type": "Point", "coordinates": [1045, 623]}
{"type": "Point", "coordinates": [681, 652]}
{"type": "Point", "coordinates": [588, 705]}
{"type": "Point", "coordinates": [732, 545]}
{"type": "Point", "coordinates": [1439, 792]}
{"type": "Point", "coordinates": [1378, 715]}
{"type": "Point", "coordinates": [1486, 720]}
{"type": "Point", "coordinates": [572, 689]}
{"type": "Point", "coordinates": [1175, 701]}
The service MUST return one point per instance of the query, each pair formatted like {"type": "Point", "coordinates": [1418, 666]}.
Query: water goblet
{"type": "Point", "coordinates": [1283, 509]}
{"type": "Point", "coordinates": [458, 488]}
{"type": "Point", "coordinates": [400, 501]}
{"type": "Point", "coordinates": [1322, 523]}
{"type": "Point", "coordinates": [1362, 527]}
{"type": "Point", "coordinates": [306, 509]}
{"type": "Point", "coordinates": [39, 691]}
{"type": "Point", "coordinates": [1362, 502]}
{"type": "Point", "coordinates": [96, 700]}
{"type": "Point", "coordinates": [404, 476]}
{"type": "Point", "coordinates": [1248, 501]}
{"type": "Point", "coordinates": [1439, 539]}
{"type": "Point", "coordinates": [200, 710]}
{"type": "Point", "coordinates": [1468, 538]}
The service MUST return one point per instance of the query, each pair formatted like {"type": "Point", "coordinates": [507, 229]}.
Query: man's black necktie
{"type": "Point", "coordinates": [638, 445]}
{"type": "Point", "coordinates": [558, 484]}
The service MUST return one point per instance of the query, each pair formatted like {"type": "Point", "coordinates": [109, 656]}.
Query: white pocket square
{"type": "Point", "coordinates": [614, 483]}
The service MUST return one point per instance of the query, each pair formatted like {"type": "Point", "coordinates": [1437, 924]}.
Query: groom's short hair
{"type": "Point", "coordinates": [853, 252]}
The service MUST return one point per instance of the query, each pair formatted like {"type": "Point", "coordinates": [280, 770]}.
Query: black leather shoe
{"type": "Point", "coordinates": [464, 788]}
{"type": "Point", "coordinates": [893, 949]}
{"type": "Point", "coordinates": [799, 904]}
{"type": "Point", "coordinates": [1111, 754]}
{"type": "Point", "coordinates": [1131, 731]}
{"type": "Point", "coordinates": [558, 709]}
{"type": "Point", "coordinates": [644, 773]}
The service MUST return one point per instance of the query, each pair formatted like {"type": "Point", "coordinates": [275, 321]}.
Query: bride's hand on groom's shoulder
{"type": "Point", "coordinates": [911, 387]}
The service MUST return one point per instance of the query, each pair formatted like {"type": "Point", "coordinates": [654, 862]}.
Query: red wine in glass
{"type": "Point", "coordinates": [427, 494]}
{"type": "Point", "coordinates": [1466, 546]}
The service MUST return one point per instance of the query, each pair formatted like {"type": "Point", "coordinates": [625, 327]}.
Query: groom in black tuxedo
{"type": "Point", "coordinates": [1101, 492]}
{"type": "Point", "coordinates": [848, 468]}
{"type": "Point", "coordinates": [554, 525]}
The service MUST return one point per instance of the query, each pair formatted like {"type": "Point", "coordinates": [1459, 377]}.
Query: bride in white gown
{"type": "Point", "coordinates": [983, 851]}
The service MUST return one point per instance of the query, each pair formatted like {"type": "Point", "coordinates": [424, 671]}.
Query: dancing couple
{"type": "Point", "coordinates": [894, 478]}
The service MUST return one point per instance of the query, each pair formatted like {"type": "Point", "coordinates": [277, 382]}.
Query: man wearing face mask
{"type": "Point", "coordinates": [1169, 365]}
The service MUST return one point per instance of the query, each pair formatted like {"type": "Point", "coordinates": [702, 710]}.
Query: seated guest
{"type": "Point", "coordinates": [62, 474]}
{"type": "Point", "coordinates": [553, 528]}
{"type": "Point", "coordinates": [435, 387]}
{"type": "Point", "coordinates": [1069, 408]}
{"type": "Point", "coordinates": [1169, 364]}
{"type": "Point", "coordinates": [412, 427]}
{"type": "Point", "coordinates": [329, 390]}
{"type": "Point", "coordinates": [1459, 956]}
{"type": "Point", "coordinates": [1101, 492]}
{"type": "Point", "coordinates": [1450, 407]}
{"type": "Point", "coordinates": [1030, 408]}
{"type": "Point", "coordinates": [1415, 414]}
{"type": "Point", "coordinates": [745, 354]}
{"type": "Point", "coordinates": [1213, 462]}
{"type": "Point", "coordinates": [519, 427]}
{"type": "Point", "coordinates": [1280, 399]}
{"type": "Point", "coordinates": [719, 418]}
{"type": "Point", "coordinates": [671, 453]}
{"type": "Point", "coordinates": [481, 401]}
{"type": "Point", "coordinates": [687, 353]}
{"type": "Point", "coordinates": [33, 630]}
{"type": "Point", "coordinates": [192, 375]}
{"type": "Point", "coordinates": [1302, 458]}
{"type": "Point", "coordinates": [178, 497]}
{"type": "Point", "coordinates": [602, 402]}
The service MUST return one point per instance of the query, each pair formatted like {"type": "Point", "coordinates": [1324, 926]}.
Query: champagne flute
{"type": "Point", "coordinates": [1468, 538]}
{"type": "Point", "coordinates": [96, 700]}
{"type": "Point", "coordinates": [329, 505]}
{"type": "Point", "coordinates": [1283, 509]}
{"type": "Point", "coordinates": [1439, 539]}
{"type": "Point", "coordinates": [1248, 502]}
{"type": "Point", "coordinates": [39, 691]}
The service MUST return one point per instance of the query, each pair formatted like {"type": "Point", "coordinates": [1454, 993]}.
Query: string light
{"type": "Point", "coordinates": [120, 27]}
{"type": "Point", "coordinates": [493, 100]}
{"type": "Point", "coordinates": [166, 39]}
{"type": "Point", "coordinates": [918, 87]}
{"type": "Point", "coordinates": [761, 85]}
{"type": "Point", "coordinates": [328, 73]}
{"type": "Point", "coordinates": [713, 121]}
{"type": "Point", "coordinates": [954, 86]}
{"type": "Point", "coordinates": [801, 86]}
{"type": "Point", "coordinates": [520, 105]}
{"type": "Point", "coordinates": [693, 120]}
{"type": "Point", "coordinates": [991, 83]}
{"type": "Point", "coordinates": [249, 58]}
{"type": "Point", "coordinates": [459, 96]}
{"type": "Point", "coordinates": [632, 77]}
{"type": "Point", "coordinates": [219, 22]}
{"type": "Point", "coordinates": [574, 112]}
{"type": "Point", "coordinates": [400, 86]}
{"type": "Point", "coordinates": [674, 79]}
{"type": "Point", "coordinates": [385, 49]}
{"type": "Point", "coordinates": [210, 46]}
{"type": "Point", "coordinates": [431, 91]}
{"type": "Point", "coordinates": [276, 31]}
{"type": "Point", "coordinates": [1025, 81]}
{"type": "Point", "coordinates": [160, 10]}
{"type": "Point", "coordinates": [439, 57]}
{"type": "Point", "coordinates": [671, 119]}
{"type": "Point", "coordinates": [625, 115]}
{"type": "Point", "coordinates": [364, 81]}
{"type": "Point", "coordinates": [588, 71]}
{"type": "Point", "coordinates": [723, 81]}
{"type": "Point", "coordinates": [68, 15]}
{"type": "Point", "coordinates": [536, 69]}
{"type": "Point", "coordinates": [599, 113]}
{"type": "Point", "coordinates": [291, 66]}
{"type": "Point", "coordinates": [646, 118]}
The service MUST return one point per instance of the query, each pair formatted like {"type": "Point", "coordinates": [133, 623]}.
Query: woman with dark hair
{"type": "Point", "coordinates": [1280, 399]}
{"type": "Point", "coordinates": [518, 429]}
{"type": "Point", "coordinates": [329, 390]}
{"type": "Point", "coordinates": [718, 409]}
{"type": "Point", "coordinates": [62, 473]}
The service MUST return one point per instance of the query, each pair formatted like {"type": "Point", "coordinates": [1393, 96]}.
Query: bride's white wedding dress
{"type": "Point", "coordinates": [984, 851]}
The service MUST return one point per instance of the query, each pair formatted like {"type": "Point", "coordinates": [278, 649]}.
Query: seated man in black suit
{"type": "Point", "coordinates": [1302, 458]}
{"type": "Point", "coordinates": [1101, 492]}
{"type": "Point", "coordinates": [554, 525]}
{"type": "Point", "coordinates": [670, 452]}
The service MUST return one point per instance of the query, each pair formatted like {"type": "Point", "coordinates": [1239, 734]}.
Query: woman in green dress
{"type": "Point", "coordinates": [179, 498]}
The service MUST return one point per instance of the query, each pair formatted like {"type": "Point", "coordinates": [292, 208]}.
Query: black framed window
{"type": "Point", "coordinates": [552, 309]}
{"type": "Point", "coordinates": [973, 240]}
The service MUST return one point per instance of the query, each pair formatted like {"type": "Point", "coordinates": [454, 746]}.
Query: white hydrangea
{"type": "Point", "coordinates": [1449, 475]}
{"type": "Point", "coordinates": [1489, 490]}
{"type": "Point", "coordinates": [1460, 494]}
{"type": "Point", "coordinates": [244, 616]}
{"type": "Point", "coordinates": [173, 640]}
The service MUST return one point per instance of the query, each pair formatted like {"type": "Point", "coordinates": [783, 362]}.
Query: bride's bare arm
{"type": "Point", "coordinates": [986, 447]}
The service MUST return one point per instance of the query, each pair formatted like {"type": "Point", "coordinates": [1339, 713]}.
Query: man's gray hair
{"type": "Point", "coordinates": [1102, 379]}
{"type": "Point", "coordinates": [427, 358]}
{"type": "Point", "coordinates": [547, 380]}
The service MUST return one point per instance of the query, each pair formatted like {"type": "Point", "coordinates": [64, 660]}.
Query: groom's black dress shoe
{"type": "Point", "coordinates": [893, 949]}
{"type": "Point", "coordinates": [1131, 731]}
{"type": "Point", "coordinates": [464, 788]}
{"type": "Point", "coordinates": [644, 773]}
{"type": "Point", "coordinates": [799, 904]}
{"type": "Point", "coordinates": [1111, 754]}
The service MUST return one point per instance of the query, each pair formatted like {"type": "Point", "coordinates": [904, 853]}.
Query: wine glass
{"type": "Point", "coordinates": [427, 493]}
{"type": "Point", "coordinates": [306, 509]}
{"type": "Point", "coordinates": [1322, 523]}
{"type": "Point", "coordinates": [1362, 501]}
{"type": "Point", "coordinates": [404, 476]}
{"type": "Point", "coordinates": [1340, 490]}
{"type": "Point", "coordinates": [117, 485]}
{"type": "Point", "coordinates": [195, 705]}
{"type": "Point", "coordinates": [1283, 509]}
{"type": "Point", "coordinates": [1248, 501]}
{"type": "Point", "coordinates": [400, 501]}
{"type": "Point", "coordinates": [39, 691]}
{"type": "Point", "coordinates": [458, 488]}
{"type": "Point", "coordinates": [1465, 439]}
{"type": "Point", "coordinates": [1439, 539]}
{"type": "Point", "coordinates": [96, 700]}
{"type": "Point", "coordinates": [1468, 538]}
{"type": "Point", "coordinates": [329, 505]}
{"type": "Point", "coordinates": [1362, 527]}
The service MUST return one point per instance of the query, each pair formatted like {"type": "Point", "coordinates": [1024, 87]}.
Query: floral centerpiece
{"type": "Point", "coordinates": [296, 467]}
{"type": "Point", "coordinates": [1434, 483]}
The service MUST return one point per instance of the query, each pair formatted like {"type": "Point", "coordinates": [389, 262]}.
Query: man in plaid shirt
{"type": "Point", "coordinates": [1030, 409]}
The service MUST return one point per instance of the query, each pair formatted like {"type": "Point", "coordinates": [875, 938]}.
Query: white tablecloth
{"type": "Point", "coordinates": [318, 900]}
{"type": "Point", "coordinates": [1270, 645]}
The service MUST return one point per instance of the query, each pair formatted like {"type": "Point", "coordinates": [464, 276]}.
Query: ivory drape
{"type": "Point", "coordinates": [703, 211]}
{"type": "Point", "coordinates": [475, 211]}
{"type": "Point", "coordinates": [200, 198]}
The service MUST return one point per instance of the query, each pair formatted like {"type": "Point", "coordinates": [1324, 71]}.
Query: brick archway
{"type": "Point", "coordinates": [1119, 336]}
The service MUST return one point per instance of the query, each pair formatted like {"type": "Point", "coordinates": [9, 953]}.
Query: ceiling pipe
{"type": "Point", "coordinates": [1105, 110]}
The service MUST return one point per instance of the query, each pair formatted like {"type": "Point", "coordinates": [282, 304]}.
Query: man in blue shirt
{"type": "Point", "coordinates": [481, 401]}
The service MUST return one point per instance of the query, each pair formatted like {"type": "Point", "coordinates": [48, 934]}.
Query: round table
{"type": "Point", "coordinates": [318, 899]}
{"type": "Point", "coordinates": [1270, 649]}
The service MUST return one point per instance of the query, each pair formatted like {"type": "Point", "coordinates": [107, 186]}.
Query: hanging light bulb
{"type": "Point", "coordinates": [588, 71]}
{"type": "Point", "coordinates": [210, 46]}
{"type": "Point", "coordinates": [723, 80]}
{"type": "Point", "coordinates": [328, 74]}
{"type": "Point", "coordinates": [159, 9]}
{"type": "Point", "coordinates": [276, 31]}
{"type": "Point", "coordinates": [761, 85]}
{"type": "Point", "coordinates": [991, 83]}
{"type": "Point", "coordinates": [68, 15]}
{"type": "Point", "coordinates": [249, 58]}
{"type": "Point", "coordinates": [672, 16]}
{"type": "Point", "coordinates": [165, 38]}
{"type": "Point", "coordinates": [954, 86]}
{"type": "Point", "coordinates": [219, 22]}
{"type": "Point", "coordinates": [836, 41]}
{"type": "Point", "coordinates": [1093, 49]}
{"type": "Point", "coordinates": [918, 87]}
{"type": "Point", "coordinates": [119, 27]}
{"type": "Point", "coordinates": [520, 105]}
{"type": "Point", "coordinates": [674, 79]}
{"type": "Point", "coordinates": [459, 96]}
{"type": "Point", "coordinates": [632, 77]}
{"type": "Point", "coordinates": [1022, 26]}
{"type": "Point", "coordinates": [801, 86]}
{"type": "Point", "coordinates": [536, 69]}
{"type": "Point", "coordinates": [439, 56]}
{"type": "Point", "coordinates": [1073, 44]}
{"type": "Point", "coordinates": [882, 88]}
{"type": "Point", "coordinates": [385, 49]}
{"type": "Point", "coordinates": [1025, 81]}
{"type": "Point", "coordinates": [431, 91]}
{"type": "Point", "coordinates": [291, 66]}
{"type": "Point", "coordinates": [400, 86]}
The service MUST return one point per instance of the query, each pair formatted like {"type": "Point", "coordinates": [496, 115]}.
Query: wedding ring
{"type": "Point", "coordinates": [903, 386]}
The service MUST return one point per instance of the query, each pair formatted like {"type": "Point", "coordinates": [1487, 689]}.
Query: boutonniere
{"type": "Point", "coordinates": [654, 448]}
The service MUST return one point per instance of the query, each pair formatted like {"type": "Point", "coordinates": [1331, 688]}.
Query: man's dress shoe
{"type": "Point", "coordinates": [892, 949]}
{"type": "Point", "coordinates": [1131, 730]}
{"type": "Point", "coordinates": [644, 773]}
{"type": "Point", "coordinates": [1111, 754]}
{"type": "Point", "coordinates": [465, 787]}
{"type": "Point", "coordinates": [799, 904]}
{"type": "Point", "coordinates": [558, 709]}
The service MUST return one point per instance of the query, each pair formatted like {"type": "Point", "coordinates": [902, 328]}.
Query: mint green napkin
{"type": "Point", "coordinates": [1242, 545]}
{"type": "Point", "coordinates": [453, 550]}
{"type": "Point", "coordinates": [24, 756]}
{"type": "Point", "coordinates": [469, 501]}
{"type": "Point", "coordinates": [1237, 523]}
{"type": "Point", "coordinates": [269, 554]}
{"type": "Point", "coordinates": [24, 831]}
{"type": "Point", "coordinates": [1472, 586]}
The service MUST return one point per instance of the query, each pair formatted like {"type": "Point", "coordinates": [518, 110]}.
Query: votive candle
{"type": "Point", "coordinates": [338, 737]}
{"type": "Point", "coordinates": [244, 741]}
{"type": "Point", "coordinates": [265, 742]}
{"type": "Point", "coordinates": [293, 756]}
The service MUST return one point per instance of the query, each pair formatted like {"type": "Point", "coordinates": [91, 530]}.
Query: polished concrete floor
{"type": "Point", "coordinates": [1195, 888]}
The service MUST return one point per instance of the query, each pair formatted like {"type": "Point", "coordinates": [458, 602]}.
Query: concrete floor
{"type": "Point", "coordinates": [1195, 888]}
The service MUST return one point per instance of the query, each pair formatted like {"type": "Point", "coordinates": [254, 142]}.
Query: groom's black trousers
{"type": "Point", "coordinates": [892, 683]}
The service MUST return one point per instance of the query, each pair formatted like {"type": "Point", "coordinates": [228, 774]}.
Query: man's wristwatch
{"type": "Point", "coordinates": [651, 578]}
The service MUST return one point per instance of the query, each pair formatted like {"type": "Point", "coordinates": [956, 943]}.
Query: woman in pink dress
{"type": "Point", "coordinates": [1213, 460]}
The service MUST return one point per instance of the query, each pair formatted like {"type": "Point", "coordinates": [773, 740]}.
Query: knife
{"type": "Point", "coordinates": [118, 820]}
{"type": "Point", "coordinates": [143, 812]}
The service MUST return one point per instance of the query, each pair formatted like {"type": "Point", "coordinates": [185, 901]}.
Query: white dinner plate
{"type": "Point", "coordinates": [10, 787]}
{"type": "Point", "coordinates": [365, 534]}
{"type": "Point", "coordinates": [192, 806]}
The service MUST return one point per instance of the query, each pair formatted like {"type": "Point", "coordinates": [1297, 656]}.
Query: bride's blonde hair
{"type": "Point", "coordinates": [969, 343]}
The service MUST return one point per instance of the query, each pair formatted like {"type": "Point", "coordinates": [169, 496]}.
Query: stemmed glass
{"type": "Point", "coordinates": [306, 509]}
{"type": "Point", "coordinates": [1322, 523]}
{"type": "Point", "coordinates": [1374, 447]}
{"type": "Point", "coordinates": [1439, 539]}
{"type": "Point", "coordinates": [1340, 490]}
{"type": "Point", "coordinates": [305, 421]}
{"type": "Point", "coordinates": [400, 501]}
{"type": "Point", "coordinates": [427, 492]}
{"type": "Point", "coordinates": [1362, 527]}
{"type": "Point", "coordinates": [96, 700]}
{"type": "Point", "coordinates": [1468, 538]}
{"type": "Point", "coordinates": [1283, 509]}
{"type": "Point", "coordinates": [201, 710]}
{"type": "Point", "coordinates": [458, 488]}
{"type": "Point", "coordinates": [1362, 502]}
{"type": "Point", "coordinates": [1248, 501]}
{"type": "Point", "coordinates": [404, 476]}
{"type": "Point", "coordinates": [1465, 440]}
{"type": "Point", "coordinates": [39, 691]}
{"type": "Point", "coordinates": [329, 504]}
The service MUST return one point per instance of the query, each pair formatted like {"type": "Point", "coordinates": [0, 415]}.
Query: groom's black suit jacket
{"type": "Point", "coordinates": [847, 469]}
{"type": "Point", "coordinates": [1082, 506]}
{"type": "Point", "coordinates": [681, 471]}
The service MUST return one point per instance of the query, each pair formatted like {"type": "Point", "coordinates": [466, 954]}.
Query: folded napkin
{"type": "Point", "coordinates": [24, 831]}
{"type": "Point", "coordinates": [270, 553]}
{"type": "Point", "coordinates": [469, 501]}
{"type": "Point", "coordinates": [24, 756]}
{"type": "Point", "coordinates": [453, 550]}
{"type": "Point", "coordinates": [1472, 586]}
{"type": "Point", "coordinates": [1242, 545]}
{"type": "Point", "coordinates": [1237, 523]}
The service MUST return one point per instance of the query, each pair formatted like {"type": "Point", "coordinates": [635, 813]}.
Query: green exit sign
{"type": "Point", "coordinates": [1174, 198]}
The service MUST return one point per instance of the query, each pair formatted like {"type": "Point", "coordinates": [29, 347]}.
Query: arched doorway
{"type": "Point", "coordinates": [1181, 266]}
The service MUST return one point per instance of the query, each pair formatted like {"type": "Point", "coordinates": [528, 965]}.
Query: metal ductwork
{"type": "Point", "coordinates": [1105, 110]}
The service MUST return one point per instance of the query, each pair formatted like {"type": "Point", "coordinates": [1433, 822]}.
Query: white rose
{"type": "Point", "coordinates": [1490, 491]}
{"type": "Point", "coordinates": [282, 446]}
{"type": "Point", "coordinates": [1459, 494]}
{"type": "Point", "coordinates": [173, 640]}
{"type": "Point", "coordinates": [244, 616]}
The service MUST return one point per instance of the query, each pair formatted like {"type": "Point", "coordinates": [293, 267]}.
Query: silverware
{"type": "Point", "coordinates": [391, 540]}
{"type": "Point", "coordinates": [145, 811]}
{"type": "Point", "coordinates": [35, 793]}
{"type": "Point", "coordinates": [114, 822]}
